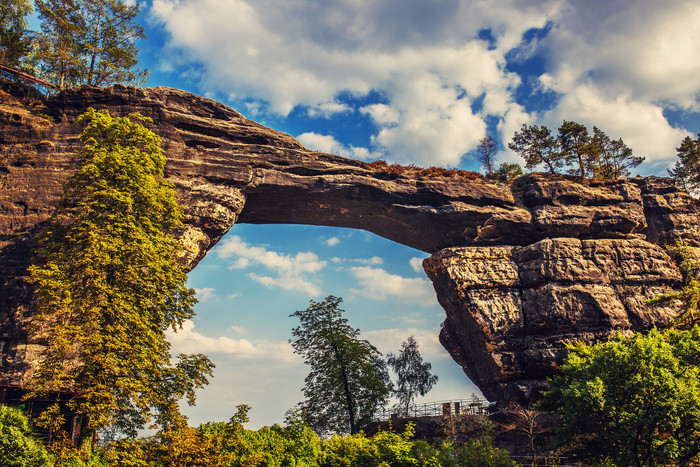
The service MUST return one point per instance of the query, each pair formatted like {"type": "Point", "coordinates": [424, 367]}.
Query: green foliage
{"type": "Point", "coordinates": [15, 43]}
{"type": "Point", "coordinates": [108, 284]}
{"type": "Point", "coordinates": [508, 171]}
{"type": "Point", "coordinates": [348, 380]}
{"type": "Point", "coordinates": [413, 374]}
{"type": "Point", "coordinates": [473, 453]}
{"type": "Point", "coordinates": [686, 172]}
{"type": "Point", "coordinates": [689, 295]}
{"type": "Point", "coordinates": [536, 145]}
{"type": "Point", "coordinates": [631, 401]}
{"type": "Point", "coordinates": [584, 155]}
{"type": "Point", "coordinates": [89, 42]}
{"type": "Point", "coordinates": [386, 449]}
{"type": "Point", "coordinates": [18, 448]}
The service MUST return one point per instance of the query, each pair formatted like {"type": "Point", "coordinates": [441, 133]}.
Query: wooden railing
{"type": "Point", "coordinates": [26, 76]}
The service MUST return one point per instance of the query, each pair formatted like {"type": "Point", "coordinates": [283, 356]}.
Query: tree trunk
{"type": "Point", "coordinates": [346, 388]}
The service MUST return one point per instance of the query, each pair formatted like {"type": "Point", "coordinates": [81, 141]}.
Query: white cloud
{"type": "Point", "coordinates": [416, 264]}
{"type": "Point", "coordinates": [378, 284]}
{"type": "Point", "coordinates": [328, 144]}
{"type": "Point", "coordinates": [424, 58]}
{"type": "Point", "coordinates": [333, 241]}
{"type": "Point", "coordinates": [205, 293]}
{"type": "Point", "coordinates": [188, 340]}
{"type": "Point", "coordinates": [240, 330]}
{"type": "Point", "coordinates": [292, 272]}
{"type": "Point", "coordinates": [616, 65]}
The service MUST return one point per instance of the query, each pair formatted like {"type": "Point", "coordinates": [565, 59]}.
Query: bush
{"type": "Point", "coordinates": [17, 445]}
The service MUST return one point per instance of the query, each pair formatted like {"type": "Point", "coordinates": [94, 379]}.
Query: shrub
{"type": "Point", "coordinates": [17, 445]}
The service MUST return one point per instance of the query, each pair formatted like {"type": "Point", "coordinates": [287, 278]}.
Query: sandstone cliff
{"type": "Point", "coordinates": [519, 267]}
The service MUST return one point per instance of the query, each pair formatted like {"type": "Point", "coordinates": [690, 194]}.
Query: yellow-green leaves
{"type": "Point", "coordinates": [108, 284]}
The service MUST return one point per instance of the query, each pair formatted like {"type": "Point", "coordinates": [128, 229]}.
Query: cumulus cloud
{"type": "Point", "coordinates": [621, 73]}
{"type": "Point", "coordinates": [416, 264]}
{"type": "Point", "coordinates": [291, 272]}
{"type": "Point", "coordinates": [188, 340]}
{"type": "Point", "coordinates": [378, 284]}
{"type": "Point", "coordinates": [333, 241]}
{"type": "Point", "coordinates": [328, 144]}
{"type": "Point", "coordinates": [205, 293]}
{"type": "Point", "coordinates": [616, 65]}
{"type": "Point", "coordinates": [425, 59]}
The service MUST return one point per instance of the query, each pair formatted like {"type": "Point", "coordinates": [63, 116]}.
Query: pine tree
{"type": "Point", "coordinates": [15, 42]}
{"type": "Point", "coordinates": [108, 284]}
{"type": "Point", "coordinates": [89, 42]}
{"type": "Point", "coordinates": [686, 172]}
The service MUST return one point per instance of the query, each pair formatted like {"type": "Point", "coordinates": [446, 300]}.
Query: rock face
{"type": "Point", "coordinates": [519, 267]}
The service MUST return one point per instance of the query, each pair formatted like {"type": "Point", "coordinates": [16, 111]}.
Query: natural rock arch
{"type": "Point", "coordinates": [518, 267]}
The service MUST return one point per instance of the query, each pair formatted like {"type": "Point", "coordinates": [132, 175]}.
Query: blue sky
{"type": "Point", "coordinates": [414, 82]}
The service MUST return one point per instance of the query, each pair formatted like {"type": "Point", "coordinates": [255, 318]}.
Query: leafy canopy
{"type": "Point", "coordinates": [686, 172]}
{"type": "Point", "coordinates": [89, 42]}
{"type": "Point", "coordinates": [689, 294]}
{"type": "Point", "coordinates": [413, 374]}
{"type": "Point", "coordinates": [15, 43]}
{"type": "Point", "coordinates": [348, 380]}
{"type": "Point", "coordinates": [17, 445]}
{"type": "Point", "coordinates": [631, 401]}
{"type": "Point", "coordinates": [108, 284]}
{"type": "Point", "coordinates": [574, 148]}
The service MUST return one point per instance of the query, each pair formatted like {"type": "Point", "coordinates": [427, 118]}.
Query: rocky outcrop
{"type": "Point", "coordinates": [519, 267]}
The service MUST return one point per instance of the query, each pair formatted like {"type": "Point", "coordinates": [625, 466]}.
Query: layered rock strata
{"type": "Point", "coordinates": [519, 268]}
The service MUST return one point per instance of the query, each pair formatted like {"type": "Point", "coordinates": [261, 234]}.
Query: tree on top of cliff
{"type": "Point", "coordinates": [108, 284]}
{"type": "Point", "coordinates": [89, 42]}
{"type": "Point", "coordinates": [413, 373]}
{"type": "Point", "coordinates": [574, 148]}
{"type": "Point", "coordinates": [348, 381]}
{"type": "Point", "coordinates": [15, 41]}
{"type": "Point", "coordinates": [686, 172]}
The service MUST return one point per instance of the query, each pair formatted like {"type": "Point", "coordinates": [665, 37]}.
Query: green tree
{"type": "Point", "coordinates": [348, 380]}
{"type": "Point", "coordinates": [631, 401]}
{"type": "Point", "coordinates": [18, 448]}
{"type": "Point", "coordinates": [487, 149]}
{"type": "Point", "coordinates": [689, 295]}
{"type": "Point", "coordinates": [58, 43]}
{"type": "Point", "coordinates": [536, 145]}
{"type": "Point", "coordinates": [508, 171]}
{"type": "Point", "coordinates": [89, 42]}
{"type": "Point", "coordinates": [108, 284]}
{"type": "Point", "coordinates": [574, 148]}
{"type": "Point", "coordinates": [15, 40]}
{"type": "Point", "coordinates": [110, 52]}
{"type": "Point", "coordinates": [611, 159]}
{"type": "Point", "coordinates": [686, 172]}
{"type": "Point", "coordinates": [413, 374]}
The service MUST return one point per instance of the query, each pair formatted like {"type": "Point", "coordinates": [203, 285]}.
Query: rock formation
{"type": "Point", "coordinates": [519, 268]}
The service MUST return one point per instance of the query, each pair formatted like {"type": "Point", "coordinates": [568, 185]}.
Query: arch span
{"type": "Point", "coordinates": [517, 267]}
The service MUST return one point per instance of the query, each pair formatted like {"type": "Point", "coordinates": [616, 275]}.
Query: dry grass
{"type": "Point", "coordinates": [413, 170]}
